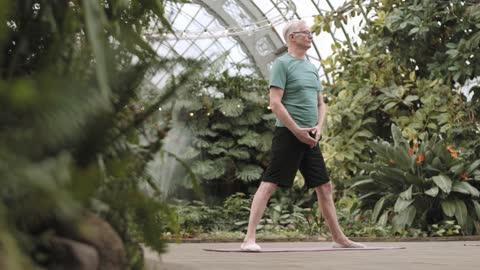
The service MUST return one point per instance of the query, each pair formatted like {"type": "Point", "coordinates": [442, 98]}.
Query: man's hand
{"type": "Point", "coordinates": [307, 136]}
{"type": "Point", "coordinates": [316, 133]}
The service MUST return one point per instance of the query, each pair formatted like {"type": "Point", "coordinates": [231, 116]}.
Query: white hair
{"type": "Point", "coordinates": [291, 26]}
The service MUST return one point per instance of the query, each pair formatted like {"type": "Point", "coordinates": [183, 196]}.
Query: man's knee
{"type": "Point", "coordinates": [267, 188]}
{"type": "Point", "coordinates": [325, 189]}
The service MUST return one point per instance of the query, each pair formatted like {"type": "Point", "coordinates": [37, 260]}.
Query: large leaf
{"type": "Point", "coordinates": [382, 221]}
{"type": "Point", "coordinates": [466, 188]}
{"type": "Point", "coordinates": [401, 204]}
{"type": "Point", "coordinates": [461, 213]}
{"type": "Point", "coordinates": [473, 166]}
{"type": "Point", "coordinates": [231, 107]}
{"type": "Point", "coordinates": [398, 138]}
{"type": "Point", "coordinates": [378, 207]}
{"type": "Point", "coordinates": [448, 207]}
{"type": "Point", "coordinates": [458, 169]}
{"type": "Point", "coordinates": [362, 182]}
{"type": "Point", "coordinates": [249, 173]}
{"type": "Point", "coordinates": [476, 205]}
{"type": "Point", "coordinates": [404, 218]}
{"type": "Point", "coordinates": [432, 192]}
{"type": "Point", "coordinates": [407, 194]}
{"type": "Point", "coordinates": [443, 182]}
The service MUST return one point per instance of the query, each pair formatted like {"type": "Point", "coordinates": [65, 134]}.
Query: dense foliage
{"type": "Point", "coordinates": [408, 70]}
{"type": "Point", "coordinates": [75, 132]}
{"type": "Point", "coordinates": [231, 127]}
{"type": "Point", "coordinates": [438, 184]}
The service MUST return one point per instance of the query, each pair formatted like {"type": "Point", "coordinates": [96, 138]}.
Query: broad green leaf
{"type": "Point", "coordinates": [465, 188]}
{"type": "Point", "coordinates": [443, 182]}
{"type": "Point", "coordinates": [437, 163]}
{"type": "Point", "coordinates": [407, 194]}
{"type": "Point", "coordinates": [452, 52]}
{"type": "Point", "coordinates": [364, 133]}
{"type": "Point", "coordinates": [404, 218]}
{"type": "Point", "coordinates": [377, 209]}
{"type": "Point", "coordinates": [249, 173]}
{"type": "Point", "coordinates": [432, 192]}
{"type": "Point", "coordinates": [401, 204]}
{"type": "Point", "coordinates": [231, 107]}
{"type": "Point", "coordinates": [458, 169]}
{"type": "Point", "coordinates": [451, 45]}
{"type": "Point", "coordinates": [389, 106]}
{"type": "Point", "coordinates": [382, 221]}
{"type": "Point", "coordinates": [448, 207]}
{"type": "Point", "coordinates": [411, 98]}
{"type": "Point", "coordinates": [476, 205]}
{"type": "Point", "coordinates": [362, 182]}
{"type": "Point", "coordinates": [473, 166]}
{"type": "Point", "coordinates": [413, 31]}
{"type": "Point", "coordinates": [461, 213]}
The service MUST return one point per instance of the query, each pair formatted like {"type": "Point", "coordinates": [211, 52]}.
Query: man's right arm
{"type": "Point", "coordinates": [282, 114]}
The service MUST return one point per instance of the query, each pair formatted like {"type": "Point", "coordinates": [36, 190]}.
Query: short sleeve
{"type": "Point", "coordinates": [278, 74]}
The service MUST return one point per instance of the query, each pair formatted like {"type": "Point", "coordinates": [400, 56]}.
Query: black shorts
{"type": "Point", "coordinates": [288, 155]}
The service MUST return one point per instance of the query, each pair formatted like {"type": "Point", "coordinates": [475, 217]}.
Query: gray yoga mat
{"type": "Point", "coordinates": [306, 249]}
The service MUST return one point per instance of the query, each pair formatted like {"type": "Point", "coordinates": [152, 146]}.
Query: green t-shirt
{"type": "Point", "coordinates": [300, 81]}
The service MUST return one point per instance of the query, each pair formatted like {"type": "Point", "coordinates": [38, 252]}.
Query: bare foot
{"type": "Point", "coordinates": [347, 243]}
{"type": "Point", "coordinates": [250, 246]}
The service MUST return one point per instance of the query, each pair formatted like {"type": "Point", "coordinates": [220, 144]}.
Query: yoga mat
{"type": "Point", "coordinates": [306, 249]}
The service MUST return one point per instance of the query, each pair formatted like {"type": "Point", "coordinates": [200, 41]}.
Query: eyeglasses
{"type": "Point", "coordinates": [308, 33]}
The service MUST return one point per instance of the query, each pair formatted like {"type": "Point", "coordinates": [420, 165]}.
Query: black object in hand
{"type": "Point", "coordinates": [312, 134]}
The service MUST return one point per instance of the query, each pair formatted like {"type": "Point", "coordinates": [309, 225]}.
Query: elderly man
{"type": "Point", "coordinates": [297, 102]}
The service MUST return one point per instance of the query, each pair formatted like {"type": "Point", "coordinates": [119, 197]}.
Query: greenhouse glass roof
{"type": "Point", "coordinates": [242, 32]}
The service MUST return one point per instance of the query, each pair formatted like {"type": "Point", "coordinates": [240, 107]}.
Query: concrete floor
{"type": "Point", "coordinates": [455, 255]}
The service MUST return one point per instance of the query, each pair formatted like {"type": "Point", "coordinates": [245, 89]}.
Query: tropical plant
{"type": "Point", "coordinates": [420, 184]}
{"type": "Point", "coordinates": [75, 132]}
{"type": "Point", "coordinates": [231, 127]}
{"type": "Point", "coordinates": [289, 210]}
{"type": "Point", "coordinates": [407, 69]}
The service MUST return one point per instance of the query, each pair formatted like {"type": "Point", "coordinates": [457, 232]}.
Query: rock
{"type": "Point", "coordinates": [98, 233]}
{"type": "Point", "coordinates": [73, 255]}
